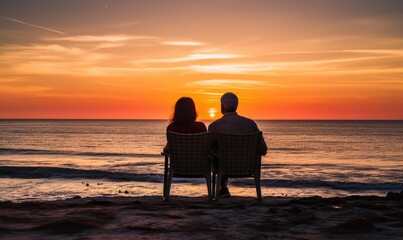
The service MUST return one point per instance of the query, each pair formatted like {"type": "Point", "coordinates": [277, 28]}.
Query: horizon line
{"type": "Point", "coordinates": [162, 119]}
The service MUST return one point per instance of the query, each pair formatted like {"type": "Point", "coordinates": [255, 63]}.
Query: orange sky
{"type": "Point", "coordinates": [134, 59]}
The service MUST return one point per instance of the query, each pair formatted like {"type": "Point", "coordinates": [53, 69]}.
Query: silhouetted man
{"type": "Point", "coordinates": [232, 123]}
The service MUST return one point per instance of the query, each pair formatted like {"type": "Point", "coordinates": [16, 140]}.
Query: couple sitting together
{"type": "Point", "coordinates": [184, 121]}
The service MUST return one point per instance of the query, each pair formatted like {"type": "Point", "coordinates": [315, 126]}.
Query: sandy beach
{"type": "Point", "coordinates": [353, 217]}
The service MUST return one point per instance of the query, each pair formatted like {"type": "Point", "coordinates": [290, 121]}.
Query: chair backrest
{"type": "Point", "coordinates": [189, 153]}
{"type": "Point", "coordinates": [239, 154]}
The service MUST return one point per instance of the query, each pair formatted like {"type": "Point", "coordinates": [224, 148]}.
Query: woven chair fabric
{"type": "Point", "coordinates": [189, 153]}
{"type": "Point", "coordinates": [238, 154]}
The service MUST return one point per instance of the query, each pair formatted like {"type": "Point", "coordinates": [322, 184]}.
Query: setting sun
{"type": "Point", "coordinates": [212, 112]}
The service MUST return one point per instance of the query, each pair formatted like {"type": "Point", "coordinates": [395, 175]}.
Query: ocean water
{"type": "Point", "coordinates": [58, 159]}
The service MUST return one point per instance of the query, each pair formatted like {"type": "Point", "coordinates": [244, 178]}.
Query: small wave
{"type": "Point", "coordinates": [285, 183]}
{"type": "Point", "coordinates": [287, 149]}
{"type": "Point", "coordinates": [321, 166]}
{"type": "Point", "coordinates": [71, 173]}
{"type": "Point", "coordinates": [73, 153]}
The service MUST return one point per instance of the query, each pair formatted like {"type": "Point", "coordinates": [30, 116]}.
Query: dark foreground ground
{"type": "Point", "coordinates": [354, 217]}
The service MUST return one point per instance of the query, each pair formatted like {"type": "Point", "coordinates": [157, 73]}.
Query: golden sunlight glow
{"type": "Point", "coordinates": [212, 112]}
{"type": "Point", "coordinates": [183, 43]}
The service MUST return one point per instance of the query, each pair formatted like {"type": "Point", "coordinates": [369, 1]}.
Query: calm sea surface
{"type": "Point", "coordinates": [57, 159]}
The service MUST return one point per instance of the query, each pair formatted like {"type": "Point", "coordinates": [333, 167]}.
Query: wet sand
{"type": "Point", "coordinates": [353, 217]}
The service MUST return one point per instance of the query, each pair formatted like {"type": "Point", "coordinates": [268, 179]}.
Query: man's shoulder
{"type": "Point", "coordinates": [233, 123]}
{"type": "Point", "coordinates": [247, 120]}
{"type": "Point", "coordinates": [214, 124]}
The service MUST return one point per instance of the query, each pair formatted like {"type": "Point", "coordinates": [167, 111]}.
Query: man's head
{"type": "Point", "coordinates": [229, 102]}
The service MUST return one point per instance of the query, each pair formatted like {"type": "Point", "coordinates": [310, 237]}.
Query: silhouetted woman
{"type": "Point", "coordinates": [184, 118]}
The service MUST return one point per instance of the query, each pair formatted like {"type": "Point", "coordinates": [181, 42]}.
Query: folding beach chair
{"type": "Point", "coordinates": [238, 157]}
{"type": "Point", "coordinates": [188, 157]}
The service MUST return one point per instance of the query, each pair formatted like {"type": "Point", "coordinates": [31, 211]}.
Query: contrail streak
{"type": "Point", "coordinates": [32, 25]}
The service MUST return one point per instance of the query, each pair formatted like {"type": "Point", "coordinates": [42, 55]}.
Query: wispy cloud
{"type": "Point", "coordinates": [220, 82]}
{"type": "Point", "coordinates": [184, 43]}
{"type": "Point", "coordinates": [37, 47]}
{"type": "Point", "coordinates": [33, 25]}
{"type": "Point", "coordinates": [49, 59]}
{"type": "Point", "coordinates": [194, 57]}
{"type": "Point", "coordinates": [232, 68]}
{"type": "Point", "coordinates": [378, 51]}
{"type": "Point", "coordinates": [16, 85]}
{"type": "Point", "coordinates": [127, 71]}
{"type": "Point", "coordinates": [211, 93]}
{"type": "Point", "coordinates": [124, 24]}
{"type": "Point", "coordinates": [374, 21]}
{"type": "Point", "coordinates": [109, 45]}
{"type": "Point", "coordinates": [355, 71]}
{"type": "Point", "coordinates": [234, 83]}
{"type": "Point", "coordinates": [101, 38]}
{"type": "Point", "coordinates": [286, 67]}
{"type": "Point", "coordinates": [365, 51]}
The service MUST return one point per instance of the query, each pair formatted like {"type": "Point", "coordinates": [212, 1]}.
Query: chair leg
{"type": "Point", "coordinates": [164, 192]}
{"type": "Point", "coordinates": [208, 181]}
{"type": "Point", "coordinates": [258, 190]}
{"type": "Point", "coordinates": [169, 182]}
{"type": "Point", "coordinates": [213, 183]}
{"type": "Point", "coordinates": [218, 186]}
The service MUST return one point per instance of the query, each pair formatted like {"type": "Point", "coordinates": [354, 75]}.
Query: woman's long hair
{"type": "Point", "coordinates": [185, 111]}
